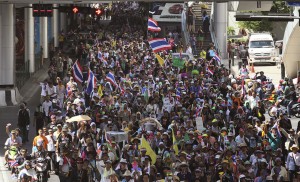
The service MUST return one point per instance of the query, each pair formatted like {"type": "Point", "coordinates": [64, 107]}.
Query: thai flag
{"type": "Point", "coordinates": [210, 71]}
{"type": "Point", "coordinates": [153, 26]}
{"type": "Point", "coordinates": [77, 72]}
{"type": "Point", "coordinates": [99, 55]}
{"type": "Point", "coordinates": [122, 90]}
{"type": "Point", "coordinates": [159, 44]}
{"type": "Point", "coordinates": [13, 163]}
{"type": "Point", "coordinates": [91, 83]}
{"type": "Point", "coordinates": [235, 165]}
{"type": "Point", "coordinates": [198, 111]}
{"type": "Point", "coordinates": [111, 78]}
{"type": "Point", "coordinates": [217, 58]}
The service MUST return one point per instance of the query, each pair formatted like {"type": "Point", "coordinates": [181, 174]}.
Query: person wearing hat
{"type": "Point", "coordinates": [63, 140]}
{"type": "Point", "coordinates": [121, 168]}
{"type": "Point", "coordinates": [127, 177]}
{"type": "Point", "coordinates": [293, 162]}
{"type": "Point", "coordinates": [106, 171]}
{"type": "Point", "coordinates": [278, 172]}
{"type": "Point", "coordinates": [184, 173]}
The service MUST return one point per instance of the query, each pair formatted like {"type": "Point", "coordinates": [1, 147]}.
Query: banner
{"type": "Point", "coordinates": [177, 62]}
{"type": "Point", "coordinates": [119, 136]}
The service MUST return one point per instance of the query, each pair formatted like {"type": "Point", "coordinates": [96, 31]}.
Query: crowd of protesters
{"type": "Point", "coordinates": [207, 125]}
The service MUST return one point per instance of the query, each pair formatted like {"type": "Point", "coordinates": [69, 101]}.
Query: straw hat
{"type": "Point", "coordinates": [127, 173]}
{"type": "Point", "coordinates": [294, 146]}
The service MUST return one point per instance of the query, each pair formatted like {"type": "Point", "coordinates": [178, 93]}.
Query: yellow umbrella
{"type": "Point", "coordinates": [79, 118]}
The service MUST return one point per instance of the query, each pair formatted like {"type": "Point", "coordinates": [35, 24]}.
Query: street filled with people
{"type": "Point", "coordinates": [113, 110]}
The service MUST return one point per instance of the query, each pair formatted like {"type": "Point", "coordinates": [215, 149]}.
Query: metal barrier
{"type": "Point", "coordinates": [23, 74]}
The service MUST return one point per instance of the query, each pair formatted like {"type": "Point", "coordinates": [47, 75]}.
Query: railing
{"type": "Point", "coordinates": [23, 74]}
{"type": "Point", "coordinates": [212, 29]}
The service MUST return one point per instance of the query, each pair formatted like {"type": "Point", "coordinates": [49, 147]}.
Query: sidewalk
{"type": "Point", "coordinates": [233, 69]}
{"type": "Point", "coordinates": [32, 84]}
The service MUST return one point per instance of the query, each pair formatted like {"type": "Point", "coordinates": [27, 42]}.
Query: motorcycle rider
{"type": "Point", "coordinates": [11, 141]}
{"type": "Point", "coordinates": [27, 171]}
{"type": "Point", "coordinates": [22, 158]}
{"type": "Point", "coordinates": [40, 152]}
{"type": "Point", "coordinates": [292, 97]}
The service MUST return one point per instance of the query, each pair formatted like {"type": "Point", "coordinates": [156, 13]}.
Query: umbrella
{"type": "Point", "coordinates": [79, 118]}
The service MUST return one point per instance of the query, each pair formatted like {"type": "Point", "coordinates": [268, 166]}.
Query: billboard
{"type": "Point", "coordinates": [167, 12]}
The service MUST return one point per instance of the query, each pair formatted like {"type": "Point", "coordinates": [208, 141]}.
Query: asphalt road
{"type": "Point", "coordinates": [9, 115]}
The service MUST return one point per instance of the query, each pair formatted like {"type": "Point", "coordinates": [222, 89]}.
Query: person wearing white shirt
{"type": "Point", "coordinates": [61, 91]}
{"type": "Point", "coordinates": [292, 161]}
{"type": "Point", "coordinates": [27, 171]}
{"type": "Point", "coordinates": [43, 86]}
{"type": "Point", "coordinates": [78, 100]}
{"type": "Point", "coordinates": [279, 172]}
{"type": "Point", "coordinates": [47, 104]}
{"type": "Point", "coordinates": [51, 90]}
{"type": "Point", "coordinates": [241, 138]}
{"type": "Point", "coordinates": [51, 148]}
{"type": "Point", "coordinates": [189, 49]}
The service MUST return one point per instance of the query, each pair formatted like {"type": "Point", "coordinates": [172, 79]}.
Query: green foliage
{"type": "Point", "coordinates": [257, 26]}
{"type": "Point", "coordinates": [279, 6]}
{"type": "Point", "coordinates": [230, 30]}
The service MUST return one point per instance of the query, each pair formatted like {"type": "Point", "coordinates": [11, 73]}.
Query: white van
{"type": "Point", "coordinates": [262, 48]}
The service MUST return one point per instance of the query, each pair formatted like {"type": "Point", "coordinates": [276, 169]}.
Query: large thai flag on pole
{"type": "Point", "coordinates": [111, 78]}
{"type": "Point", "coordinates": [153, 26]}
{"type": "Point", "coordinates": [91, 82]}
{"type": "Point", "coordinates": [159, 44]}
{"type": "Point", "coordinates": [77, 72]}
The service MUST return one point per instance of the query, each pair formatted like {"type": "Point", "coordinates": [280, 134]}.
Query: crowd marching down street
{"type": "Point", "coordinates": [117, 106]}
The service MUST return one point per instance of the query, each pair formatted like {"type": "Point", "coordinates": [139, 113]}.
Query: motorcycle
{"type": "Point", "coordinates": [41, 168]}
{"type": "Point", "coordinates": [12, 154]}
{"type": "Point", "coordinates": [295, 110]}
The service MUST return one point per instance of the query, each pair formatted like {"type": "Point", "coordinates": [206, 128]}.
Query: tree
{"type": "Point", "coordinates": [230, 30]}
{"type": "Point", "coordinates": [257, 26]}
{"type": "Point", "coordinates": [279, 6]}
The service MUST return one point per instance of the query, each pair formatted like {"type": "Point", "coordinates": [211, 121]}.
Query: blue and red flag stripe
{"type": "Point", "coordinates": [159, 44]}
{"type": "Point", "coordinates": [77, 72]}
{"type": "Point", "coordinates": [91, 82]}
{"type": "Point", "coordinates": [153, 25]}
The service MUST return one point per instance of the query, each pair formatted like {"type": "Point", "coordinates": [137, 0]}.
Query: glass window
{"type": "Point", "coordinates": [261, 44]}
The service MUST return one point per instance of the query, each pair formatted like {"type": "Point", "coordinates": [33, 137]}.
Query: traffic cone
{"type": "Point", "coordinates": [252, 68]}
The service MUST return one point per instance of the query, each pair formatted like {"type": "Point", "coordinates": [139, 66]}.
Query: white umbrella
{"type": "Point", "coordinates": [79, 118]}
